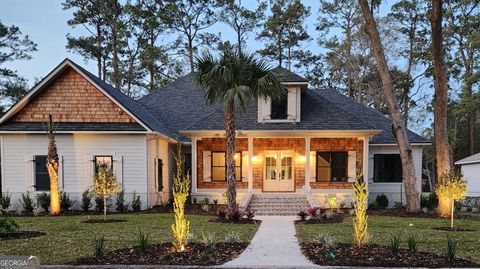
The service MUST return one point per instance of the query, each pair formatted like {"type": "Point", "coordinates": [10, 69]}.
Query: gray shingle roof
{"type": "Point", "coordinates": [369, 115]}
{"type": "Point", "coordinates": [314, 108]}
{"type": "Point", "coordinates": [72, 126]}
{"type": "Point", "coordinates": [286, 75]}
{"type": "Point", "coordinates": [181, 106]}
{"type": "Point", "coordinates": [475, 158]}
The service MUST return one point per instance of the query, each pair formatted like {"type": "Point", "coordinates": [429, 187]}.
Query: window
{"type": "Point", "coordinates": [279, 109]}
{"type": "Point", "coordinates": [387, 168]}
{"type": "Point", "coordinates": [103, 161]}
{"type": "Point", "coordinates": [219, 168]}
{"type": "Point", "coordinates": [42, 180]}
{"type": "Point", "coordinates": [332, 166]}
{"type": "Point", "coordinates": [160, 174]}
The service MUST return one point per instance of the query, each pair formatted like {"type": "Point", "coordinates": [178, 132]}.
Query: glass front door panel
{"type": "Point", "coordinates": [286, 168]}
{"type": "Point", "coordinates": [271, 168]}
{"type": "Point", "coordinates": [278, 171]}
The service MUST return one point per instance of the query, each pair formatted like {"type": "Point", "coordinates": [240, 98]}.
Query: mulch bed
{"type": "Point", "coordinates": [322, 219]}
{"type": "Point", "coordinates": [421, 214]}
{"type": "Point", "coordinates": [378, 256]}
{"type": "Point", "coordinates": [195, 254]}
{"type": "Point", "coordinates": [94, 221]}
{"type": "Point", "coordinates": [22, 235]}
{"type": "Point", "coordinates": [454, 229]}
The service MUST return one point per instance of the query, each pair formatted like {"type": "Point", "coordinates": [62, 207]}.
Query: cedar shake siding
{"type": "Point", "coordinates": [72, 98]}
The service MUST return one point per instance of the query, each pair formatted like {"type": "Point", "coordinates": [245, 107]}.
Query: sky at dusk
{"type": "Point", "coordinates": [45, 22]}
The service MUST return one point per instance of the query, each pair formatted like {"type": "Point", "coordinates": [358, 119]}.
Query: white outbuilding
{"type": "Point", "coordinates": [471, 171]}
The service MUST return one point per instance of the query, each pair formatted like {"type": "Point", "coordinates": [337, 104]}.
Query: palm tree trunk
{"type": "Point", "coordinates": [52, 167]}
{"type": "Point", "coordinates": [398, 127]}
{"type": "Point", "coordinates": [229, 158]}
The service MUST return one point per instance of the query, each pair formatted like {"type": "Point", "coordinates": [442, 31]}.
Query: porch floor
{"type": "Point", "coordinates": [274, 244]}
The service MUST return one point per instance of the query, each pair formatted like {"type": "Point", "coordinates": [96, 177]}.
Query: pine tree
{"type": "Point", "coordinates": [284, 31]}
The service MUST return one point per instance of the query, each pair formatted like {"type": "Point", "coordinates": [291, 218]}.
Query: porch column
{"type": "Point", "coordinates": [250, 164]}
{"type": "Point", "coordinates": [194, 165]}
{"type": "Point", "coordinates": [366, 159]}
{"type": "Point", "coordinates": [307, 164]}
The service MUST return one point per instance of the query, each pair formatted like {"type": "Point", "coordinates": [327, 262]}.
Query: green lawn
{"type": "Point", "coordinates": [69, 239]}
{"type": "Point", "coordinates": [381, 230]}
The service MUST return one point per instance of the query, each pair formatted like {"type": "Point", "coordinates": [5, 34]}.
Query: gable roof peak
{"type": "Point", "coordinates": [286, 75]}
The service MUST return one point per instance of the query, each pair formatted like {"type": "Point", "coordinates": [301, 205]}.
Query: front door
{"type": "Point", "coordinates": [278, 171]}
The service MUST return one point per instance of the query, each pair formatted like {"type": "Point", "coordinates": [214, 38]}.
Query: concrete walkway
{"type": "Point", "coordinates": [274, 245]}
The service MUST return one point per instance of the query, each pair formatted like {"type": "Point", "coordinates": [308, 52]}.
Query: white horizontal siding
{"type": "Point", "coordinates": [393, 190]}
{"type": "Point", "coordinates": [75, 149]}
{"type": "Point", "coordinates": [471, 172]}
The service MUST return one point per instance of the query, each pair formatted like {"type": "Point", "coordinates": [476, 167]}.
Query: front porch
{"type": "Point", "coordinates": [316, 166]}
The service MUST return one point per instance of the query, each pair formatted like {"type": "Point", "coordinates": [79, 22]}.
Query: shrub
{"type": "Point", "coordinates": [452, 187]}
{"type": "Point", "coordinates": [7, 226]}
{"type": "Point", "coordinates": [206, 201]}
{"type": "Point", "coordinates": [432, 201]}
{"type": "Point", "coordinates": [120, 205]}
{"type": "Point", "coordinates": [5, 201]}
{"type": "Point", "coordinates": [233, 237]}
{"type": "Point", "coordinates": [329, 215]}
{"type": "Point", "coordinates": [136, 202]}
{"type": "Point", "coordinates": [373, 206]}
{"type": "Point", "coordinates": [99, 247]}
{"type": "Point", "coordinates": [398, 206]}
{"type": "Point", "coordinates": [412, 242]}
{"type": "Point", "coordinates": [222, 213]}
{"type": "Point", "coordinates": [143, 241]}
{"type": "Point", "coordinates": [382, 201]}
{"type": "Point", "coordinates": [302, 215]}
{"type": "Point", "coordinates": [215, 201]}
{"type": "Point", "coordinates": [325, 239]}
{"type": "Point", "coordinates": [250, 214]}
{"type": "Point", "coordinates": [332, 201]}
{"type": "Point", "coordinates": [194, 200]}
{"type": "Point", "coordinates": [235, 215]}
{"type": "Point", "coordinates": [98, 203]}
{"type": "Point", "coordinates": [395, 244]}
{"type": "Point", "coordinates": [360, 220]}
{"type": "Point", "coordinates": [86, 202]}
{"type": "Point", "coordinates": [65, 202]}
{"type": "Point", "coordinates": [43, 201]}
{"type": "Point", "coordinates": [450, 250]}
{"type": "Point", "coordinates": [312, 211]}
{"type": "Point", "coordinates": [206, 208]}
{"type": "Point", "coordinates": [27, 202]}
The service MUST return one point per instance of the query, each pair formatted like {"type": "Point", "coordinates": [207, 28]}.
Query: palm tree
{"type": "Point", "coordinates": [235, 79]}
{"type": "Point", "coordinates": [52, 166]}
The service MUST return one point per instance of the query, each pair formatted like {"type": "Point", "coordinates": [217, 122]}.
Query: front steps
{"type": "Point", "coordinates": [279, 204]}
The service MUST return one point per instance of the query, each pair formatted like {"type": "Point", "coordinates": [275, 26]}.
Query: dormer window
{"type": "Point", "coordinates": [279, 109]}
{"type": "Point", "coordinates": [286, 109]}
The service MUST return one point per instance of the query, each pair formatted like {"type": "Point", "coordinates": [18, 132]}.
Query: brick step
{"type": "Point", "coordinates": [278, 204]}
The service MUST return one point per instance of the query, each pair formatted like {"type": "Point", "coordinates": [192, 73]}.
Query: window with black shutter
{"type": "Point", "coordinates": [42, 180]}
{"type": "Point", "coordinates": [387, 168]}
{"type": "Point", "coordinates": [160, 174]}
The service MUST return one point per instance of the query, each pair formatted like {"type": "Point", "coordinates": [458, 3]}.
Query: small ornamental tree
{"type": "Point", "coordinates": [181, 188]}
{"type": "Point", "coordinates": [105, 185]}
{"type": "Point", "coordinates": [360, 203]}
{"type": "Point", "coordinates": [453, 187]}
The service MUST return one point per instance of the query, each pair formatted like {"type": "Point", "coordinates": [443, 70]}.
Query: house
{"type": "Point", "coordinates": [470, 167]}
{"type": "Point", "coordinates": [312, 144]}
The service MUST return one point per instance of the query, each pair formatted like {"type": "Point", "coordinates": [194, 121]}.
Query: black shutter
{"type": "Point", "coordinates": [160, 174]}
{"type": "Point", "coordinates": [42, 180]}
